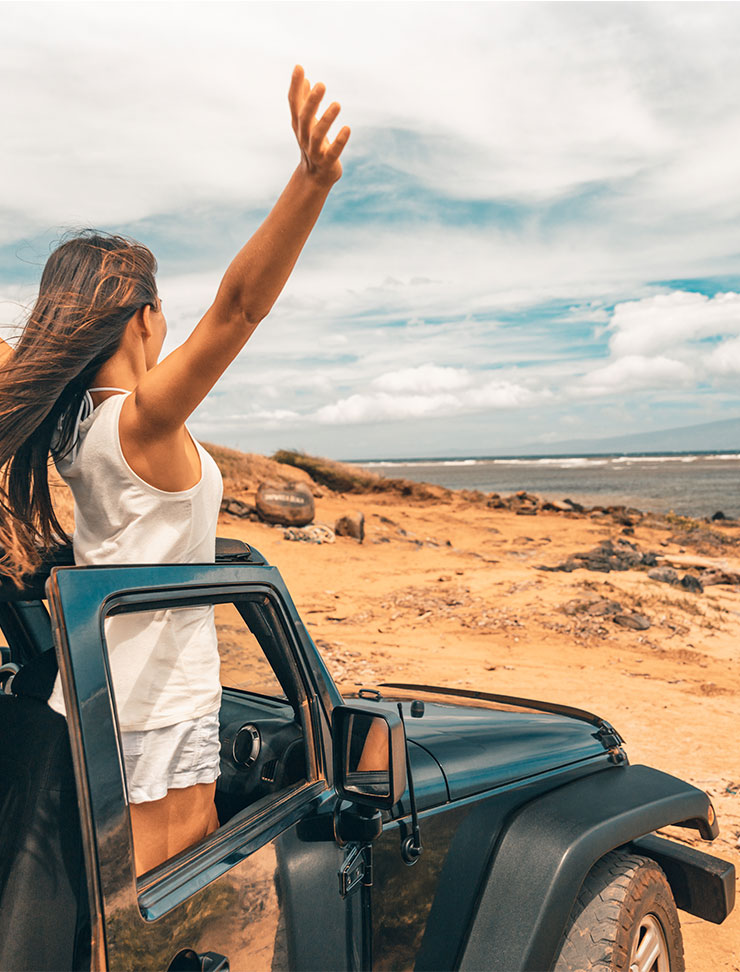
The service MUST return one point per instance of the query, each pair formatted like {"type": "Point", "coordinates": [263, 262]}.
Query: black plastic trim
{"type": "Point", "coordinates": [548, 848]}
{"type": "Point", "coordinates": [701, 884]}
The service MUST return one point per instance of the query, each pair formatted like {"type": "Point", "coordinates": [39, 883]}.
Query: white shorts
{"type": "Point", "coordinates": [158, 760]}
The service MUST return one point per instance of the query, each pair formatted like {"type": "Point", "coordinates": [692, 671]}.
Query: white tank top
{"type": "Point", "coordinates": [164, 664]}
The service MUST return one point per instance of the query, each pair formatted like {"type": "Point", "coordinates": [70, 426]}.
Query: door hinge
{"type": "Point", "coordinates": [357, 868]}
{"type": "Point", "coordinates": [611, 741]}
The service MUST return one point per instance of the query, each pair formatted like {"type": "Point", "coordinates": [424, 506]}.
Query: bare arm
{"type": "Point", "coordinates": [168, 393]}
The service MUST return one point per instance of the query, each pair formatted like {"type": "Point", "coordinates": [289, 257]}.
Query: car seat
{"type": "Point", "coordinates": [43, 892]}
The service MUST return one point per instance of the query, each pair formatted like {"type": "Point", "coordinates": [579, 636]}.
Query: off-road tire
{"type": "Point", "coordinates": [620, 890]}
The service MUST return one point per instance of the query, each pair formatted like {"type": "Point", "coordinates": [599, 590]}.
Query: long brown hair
{"type": "Point", "coordinates": [91, 286]}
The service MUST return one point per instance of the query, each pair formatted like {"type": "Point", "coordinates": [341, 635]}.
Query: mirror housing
{"type": "Point", "coordinates": [369, 755]}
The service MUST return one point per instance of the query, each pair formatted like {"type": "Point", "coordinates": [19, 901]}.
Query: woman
{"type": "Point", "coordinates": [85, 383]}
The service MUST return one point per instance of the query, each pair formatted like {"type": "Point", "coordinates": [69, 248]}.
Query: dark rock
{"type": "Point", "coordinates": [576, 507]}
{"type": "Point", "coordinates": [527, 511]}
{"type": "Point", "coordinates": [555, 506]}
{"type": "Point", "coordinates": [624, 520]}
{"type": "Point", "coordinates": [604, 607]}
{"type": "Point", "coordinates": [351, 525]}
{"type": "Point", "coordinates": [567, 566]}
{"type": "Point", "coordinates": [719, 515]}
{"type": "Point", "coordinates": [691, 583]}
{"type": "Point", "coordinates": [596, 607]}
{"type": "Point", "coordinates": [237, 507]}
{"type": "Point", "coordinates": [607, 556]}
{"type": "Point", "coordinates": [289, 505]}
{"type": "Point", "coordinates": [666, 575]}
{"type": "Point", "coordinates": [709, 577]}
{"type": "Point", "coordinates": [638, 622]}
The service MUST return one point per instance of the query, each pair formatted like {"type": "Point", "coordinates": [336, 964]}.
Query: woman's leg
{"type": "Point", "coordinates": [162, 828]}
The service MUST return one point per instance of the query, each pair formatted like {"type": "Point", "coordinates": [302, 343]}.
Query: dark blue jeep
{"type": "Point", "coordinates": [411, 827]}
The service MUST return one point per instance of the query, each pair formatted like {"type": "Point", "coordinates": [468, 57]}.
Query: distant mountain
{"type": "Point", "coordinates": [709, 437]}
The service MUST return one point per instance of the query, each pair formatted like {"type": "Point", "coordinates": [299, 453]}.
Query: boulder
{"type": "Point", "coordinates": [666, 575]}
{"type": "Point", "coordinates": [351, 525]}
{"type": "Point", "coordinates": [691, 583]}
{"type": "Point", "coordinates": [607, 556]}
{"type": "Point", "coordinates": [237, 507]}
{"type": "Point", "coordinates": [557, 506]}
{"type": "Point", "coordinates": [595, 606]}
{"type": "Point", "coordinates": [719, 577]}
{"type": "Point", "coordinates": [638, 622]}
{"type": "Point", "coordinates": [289, 504]}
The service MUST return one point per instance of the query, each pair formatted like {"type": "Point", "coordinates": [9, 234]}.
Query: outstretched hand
{"type": "Point", "coordinates": [319, 157]}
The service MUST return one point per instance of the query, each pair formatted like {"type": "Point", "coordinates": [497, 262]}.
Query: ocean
{"type": "Point", "coordinates": [690, 484]}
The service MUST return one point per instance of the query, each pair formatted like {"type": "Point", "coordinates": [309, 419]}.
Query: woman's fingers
{"type": "Point", "coordinates": [335, 149]}
{"type": "Point", "coordinates": [322, 126]}
{"type": "Point", "coordinates": [304, 100]}
{"type": "Point", "coordinates": [295, 93]}
{"type": "Point", "coordinates": [307, 116]}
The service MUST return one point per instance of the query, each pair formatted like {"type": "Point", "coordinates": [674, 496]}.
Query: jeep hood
{"type": "Point", "coordinates": [478, 748]}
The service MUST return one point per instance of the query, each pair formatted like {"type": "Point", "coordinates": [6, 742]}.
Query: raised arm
{"type": "Point", "coordinates": [169, 392]}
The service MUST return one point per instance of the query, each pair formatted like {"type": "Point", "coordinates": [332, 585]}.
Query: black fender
{"type": "Point", "coordinates": [548, 847]}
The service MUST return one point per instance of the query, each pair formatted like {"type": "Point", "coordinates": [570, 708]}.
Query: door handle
{"type": "Point", "coordinates": [188, 960]}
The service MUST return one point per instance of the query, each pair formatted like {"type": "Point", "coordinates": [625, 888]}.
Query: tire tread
{"type": "Point", "coordinates": [596, 938]}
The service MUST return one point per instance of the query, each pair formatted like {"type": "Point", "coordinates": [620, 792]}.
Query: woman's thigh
{"type": "Point", "coordinates": [163, 828]}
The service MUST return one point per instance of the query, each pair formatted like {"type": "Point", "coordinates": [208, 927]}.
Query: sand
{"type": "Point", "coordinates": [450, 594]}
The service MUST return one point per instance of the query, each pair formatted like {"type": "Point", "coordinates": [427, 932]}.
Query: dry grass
{"type": "Point", "coordinates": [244, 471]}
{"type": "Point", "coordinates": [345, 478]}
{"type": "Point", "coordinates": [701, 612]}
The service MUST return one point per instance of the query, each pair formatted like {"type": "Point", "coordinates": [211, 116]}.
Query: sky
{"type": "Point", "coordinates": [536, 237]}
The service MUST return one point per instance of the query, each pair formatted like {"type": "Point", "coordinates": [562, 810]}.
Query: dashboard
{"type": "Point", "coordinates": [262, 750]}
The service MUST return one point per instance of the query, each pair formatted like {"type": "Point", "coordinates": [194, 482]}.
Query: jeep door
{"type": "Point", "coordinates": [262, 891]}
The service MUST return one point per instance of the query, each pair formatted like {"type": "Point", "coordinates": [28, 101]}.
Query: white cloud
{"type": "Point", "coordinates": [503, 101]}
{"type": "Point", "coordinates": [633, 372]}
{"type": "Point", "coordinates": [503, 394]}
{"type": "Point", "coordinates": [425, 379]}
{"type": "Point", "coordinates": [724, 359]}
{"type": "Point", "coordinates": [662, 322]}
{"type": "Point", "coordinates": [383, 407]}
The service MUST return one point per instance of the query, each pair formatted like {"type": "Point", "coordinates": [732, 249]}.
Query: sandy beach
{"type": "Point", "coordinates": [450, 591]}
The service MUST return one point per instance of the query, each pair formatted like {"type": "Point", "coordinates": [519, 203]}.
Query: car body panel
{"type": "Point", "coordinates": [482, 748]}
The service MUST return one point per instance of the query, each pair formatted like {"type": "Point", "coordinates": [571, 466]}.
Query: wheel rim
{"type": "Point", "coordinates": [649, 948]}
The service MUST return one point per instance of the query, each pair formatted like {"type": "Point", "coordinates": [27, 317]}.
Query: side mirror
{"type": "Point", "coordinates": [369, 755]}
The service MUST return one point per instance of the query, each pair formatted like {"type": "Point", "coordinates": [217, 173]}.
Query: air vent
{"type": "Point", "coordinates": [269, 770]}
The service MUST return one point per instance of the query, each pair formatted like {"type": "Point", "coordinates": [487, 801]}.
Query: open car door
{"type": "Point", "coordinates": [262, 891]}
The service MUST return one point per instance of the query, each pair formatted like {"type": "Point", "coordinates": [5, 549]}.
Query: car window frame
{"type": "Point", "coordinates": [157, 889]}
